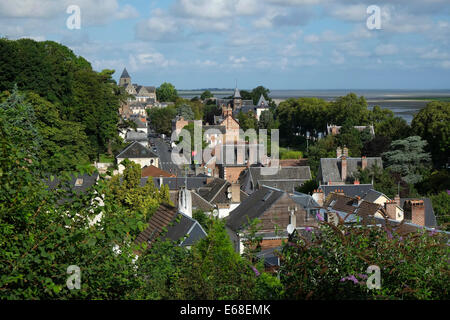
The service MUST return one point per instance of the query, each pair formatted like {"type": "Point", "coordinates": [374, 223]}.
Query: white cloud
{"type": "Point", "coordinates": [386, 49]}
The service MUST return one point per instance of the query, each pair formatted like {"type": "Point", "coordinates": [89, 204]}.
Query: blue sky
{"type": "Point", "coordinates": [280, 44]}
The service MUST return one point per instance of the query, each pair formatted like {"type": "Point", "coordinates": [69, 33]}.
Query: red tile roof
{"type": "Point", "coordinates": [152, 171]}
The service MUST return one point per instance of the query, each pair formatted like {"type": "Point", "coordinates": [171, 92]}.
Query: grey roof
{"type": "Point", "coordinates": [136, 150]}
{"type": "Point", "coordinates": [125, 74]}
{"type": "Point", "coordinates": [150, 89]}
{"type": "Point", "coordinates": [270, 256]}
{"type": "Point", "coordinates": [222, 129]}
{"type": "Point", "coordinates": [175, 183]}
{"type": "Point", "coordinates": [350, 190]}
{"type": "Point", "coordinates": [253, 207]}
{"type": "Point", "coordinates": [372, 195]}
{"type": "Point", "coordinates": [237, 94]}
{"type": "Point", "coordinates": [430, 218]}
{"type": "Point", "coordinates": [305, 200]}
{"type": "Point", "coordinates": [186, 227]}
{"type": "Point", "coordinates": [330, 168]}
{"type": "Point", "coordinates": [136, 136]}
{"type": "Point", "coordinates": [286, 178]}
{"type": "Point", "coordinates": [78, 183]}
{"type": "Point", "coordinates": [138, 121]}
{"type": "Point", "coordinates": [215, 191]}
{"type": "Point", "coordinates": [261, 101]}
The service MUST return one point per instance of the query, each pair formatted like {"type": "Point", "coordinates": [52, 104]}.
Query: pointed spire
{"type": "Point", "coordinates": [237, 94]}
{"type": "Point", "coordinates": [262, 101]}
{"type": "Point", "coordinates": [125, 74]}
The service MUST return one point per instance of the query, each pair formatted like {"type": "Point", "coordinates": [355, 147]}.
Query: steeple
{"type": "Point", "coordinates": [262, 101]}
{"type": "Point", "coordinates": [125, 74]}
{"type": "Point", "coordinates": [125, 78]}
{"type": "Point", "coordinates": [237, 99]}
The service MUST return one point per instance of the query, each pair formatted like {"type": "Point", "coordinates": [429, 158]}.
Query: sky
{"type": "Point", "coordinates": [280, 44]}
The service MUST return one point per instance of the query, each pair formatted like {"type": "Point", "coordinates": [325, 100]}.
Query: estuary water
{"type": "Point", "coordinates": [404, 103]}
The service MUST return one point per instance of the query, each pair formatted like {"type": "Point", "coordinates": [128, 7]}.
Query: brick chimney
{"type": "Point", "coordinates": [418, 212]}
{"type": "Point", "coordinates": [344, 168]}
{"type": "Point", "coordinates": [319, 196]}
{"type": "Point", "coordinates": [390, 207]}
{"type": "Point", "coordinates": [340, 192]}
{"type": "Point", "coordinates": [338, 152]}
{"type": "Point", "coordinates": [363, 162]}
{"type": "Point", "coordinates": [345, 152]}
{"type": "Point", "coordinates": [235, 193]}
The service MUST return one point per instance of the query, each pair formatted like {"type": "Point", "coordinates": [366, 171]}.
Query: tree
{"type": "Point", "coordinates": [349, 109]}
{"type": "Point", "coordinates": [441, 207]}
{"type": "Point", "coordinates": [267, 121]}
{"type": "Point", "coordinates": [185, 111]}
{"type": "Point", "coordinates": [432, 123]}
{"type": "Point", "coordinates": [206, 95]}
{"type": "Point", "coordinates": [376, 146]}
{"type": "Point", "coordinates": [166, 93]}
{"type": "Point", "coordinates": [161, 119]}
{"type": "Point", "coordinates": [408, 158]}
{"type": "Point", "coordinates": [247, 120]}
{"type": "Point", "coordinates": [308, 187]}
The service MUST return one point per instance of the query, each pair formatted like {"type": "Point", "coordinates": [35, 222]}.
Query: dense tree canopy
{"type": "Point", "coordinates": [77, 97]}
{"type": "Point", "coordinates": [432, 123]}
{"type": "Point", "coordinates": [166, 93]}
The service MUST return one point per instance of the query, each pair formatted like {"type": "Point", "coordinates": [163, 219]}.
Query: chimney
{"type": "Point", "coordinates": [160, 181]}
{"type": "Point", "coordinates": [345, 152]}
{"type": "Point", "coordinates": [292, 217]}
{"type": "Point", "coordinates": [391, 208]}
{"type": "Point", "coordinates": [418, 212]}
{"type": "Point", "coordinates": [340, 192]}
{"type": "Point", "coordinates": [319, 196]}
{"type": "Point", "coordinates": [185, 202]}
{"type": "Point", "coordinates": [235, 193]}
{"type": "Point", "coordinates": [338, 152]}
{"type": "Point", "coordinates": [363, 163]}
{"type": "Point", "coordinates": [344, 168]}
{"type": "Point", "coordinates": [356, 182]}
{"type": "Point", "coordinates": [397, 199]}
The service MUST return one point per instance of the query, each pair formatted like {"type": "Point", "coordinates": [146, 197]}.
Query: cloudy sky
{"type": "Point", "coordinates": [281, 44]}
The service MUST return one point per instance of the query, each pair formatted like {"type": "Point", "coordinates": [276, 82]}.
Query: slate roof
{"type": "Point", "coordinates": [286, 178]}
{"type": "Point", "coordinates": [136, 150]}
{"type": "Point", "coordinates": [252, 207]}
{"type": "Point", "coordinates": [430, 218]}
{"type": "Point", "coordinates": [125, 74]}
{"type": "Point", "coordinates": [305, 200]}
{"type": "Point", "coordinates": [270, 256]}
{"type": "Point", "coordinates": [178, 182]}
{"type": "Point", "coordinates": [165, 217]}
{"type": "Point", "coordinates": [216, 192]}
{"type": "Point", "coordinates": [261, 101]}
{"type": "Point", "coordinates": [136, 136]}
{"type": "Point", "coordinates": [221, 128]}
{"type": "Point", "coordinates": [350, 190]}
{"type": "Point", "coordinates": [372, 195]}
{"type": "Point", "coordinates": [85, 181]}
{"type": "Point", "coordinates": [330, 168]}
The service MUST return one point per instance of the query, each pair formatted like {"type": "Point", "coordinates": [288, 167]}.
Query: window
{"type": "Point", "coordinates": [79, 182]}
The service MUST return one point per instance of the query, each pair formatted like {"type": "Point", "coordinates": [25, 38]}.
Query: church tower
{"type": "Point", "coordinates": [125, 78]}
{"type": "Point", "coordinates": [237, 100]}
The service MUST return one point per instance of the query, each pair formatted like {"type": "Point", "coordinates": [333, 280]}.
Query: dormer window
{"type": "Point", "coordinates": [79, 182]}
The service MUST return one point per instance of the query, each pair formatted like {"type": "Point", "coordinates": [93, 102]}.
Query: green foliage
{"type": "Point", "coordinates": [267, 121]}
{"type": "Point", "coordinates": [166, 93]}
{"type": "Point", "coordinates": [332, 265]}
{"type": "Point", "coordinates": [408, 158]}
{"type": "Point", "coordinates": [290, 154]}
{"type": "Point", "coordinates": [161, 119]}
{"type": "Point", "coordinates": [308, 187]}
{"type": "Point", "coordinates": [202, 218]}
{"type": "Point", "coordinates": [77, 97]}
{"type": "Point", "coordinates": [432, 123]}
{"type": "Point", "coordinates": [186, 112]}
{"type": "Point", "coordinates": [434, 182]}
{"type": "Point", "coordinates": [206, 95]}
{"type": "Point", "coordinates": [247, 120]}
{"type": "Point", "coordinates": [441, 207]}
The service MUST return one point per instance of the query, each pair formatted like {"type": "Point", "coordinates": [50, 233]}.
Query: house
{"type": "Point", "coordinates": [139, 154]}
{"type": "Point", "coordinates": [236, 102]}
{"type": "Point", "coordinates": [342, 169]}
{"type": "Point", "coordinates": [180, 227]}
{"type": "Point", "coordinates": [136, 136]}
{"type": "Point", "coordinates": [152, 171]}
{"type": "Point", "coordinates": [221, 195]}
{"type": "Point", "coordinates": [350, 190]}
{"type": "Point", "coordinates": [276, 209]}
{"type": "Point", "coordinates": [284, 178]}
{"type": "Point", "coordinates": [418, 212]}
{"type": "Point", "coordinates": [140, 93]}
{"type": "Point", "coordinates": [335, 130]}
